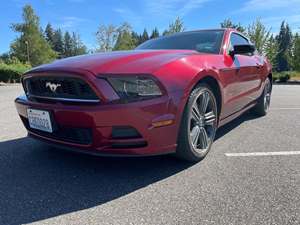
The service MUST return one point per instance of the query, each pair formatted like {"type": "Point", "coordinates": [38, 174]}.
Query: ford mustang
{"type": "Point", "coordinates": [169, 95]}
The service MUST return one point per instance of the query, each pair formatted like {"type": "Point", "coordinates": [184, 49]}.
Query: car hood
{"type": "Point", "coordinates": [119, 62]}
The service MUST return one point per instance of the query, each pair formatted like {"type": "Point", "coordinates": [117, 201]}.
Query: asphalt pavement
{"type": "Point", "coordinates": [43, 185]}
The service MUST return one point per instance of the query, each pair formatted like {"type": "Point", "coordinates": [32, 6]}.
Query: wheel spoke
{"type": "Point", "coordinates": [210, 118]}
{"type": "Point", "coordinates": [204, 140]}
{"type": "Point", "coordinates": [195, 112]}
{"type": "Point", "coordinates": [267, 96]}
{"type": "Point", "coordinates": [195, 135]}
{"type": "Point", "coordinates": [204, 103]}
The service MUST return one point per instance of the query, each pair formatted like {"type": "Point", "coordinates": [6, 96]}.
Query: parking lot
{"type": "Point", "coordinates": [259, 185]}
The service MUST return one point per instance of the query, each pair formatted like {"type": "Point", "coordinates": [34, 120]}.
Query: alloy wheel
{"type": "Point", "coordinates": [202, 122]}
{"type": "Point", "coordinates": [267, 97]}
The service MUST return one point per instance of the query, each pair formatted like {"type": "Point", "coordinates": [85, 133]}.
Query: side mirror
{"type": "Point", "coordinates": [242, 50]}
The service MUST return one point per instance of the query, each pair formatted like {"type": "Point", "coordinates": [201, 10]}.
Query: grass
{"type": "Point", "coordinates": [285, 76]}
{"type": "Point", "coordinates": [295, 75]}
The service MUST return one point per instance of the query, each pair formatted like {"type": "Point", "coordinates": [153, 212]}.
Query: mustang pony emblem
{"type": "Point", "coordinates": [52, 86]}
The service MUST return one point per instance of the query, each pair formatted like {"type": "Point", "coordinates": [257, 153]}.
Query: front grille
{"type": "Point", "coordinates": [59, 88]}
{"type": "Point", "coordinates": [68, 134]}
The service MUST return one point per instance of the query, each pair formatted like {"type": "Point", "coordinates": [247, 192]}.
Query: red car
{"type": "Point", "coordinates": [169, 95]}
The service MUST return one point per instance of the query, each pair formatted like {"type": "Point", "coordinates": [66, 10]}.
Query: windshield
{"type": "Point", "coordinates": [208, 41]}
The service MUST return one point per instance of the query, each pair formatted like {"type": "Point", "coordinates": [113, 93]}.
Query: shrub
{"type": "Point", "coordinates": [275, 77]}
{"type": "Point", "coordinates": [11, 73]}
{"type": "Point", "coordinates": [281, 77]}
{"type": "Point", "coordinates": [295, 73]}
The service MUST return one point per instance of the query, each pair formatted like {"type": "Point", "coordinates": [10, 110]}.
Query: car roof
{"type": "Point", "coordinates": [225, 30]}
{"type": "Point", "coordinates": [192, 31]}
{"type": "Point", "coordinates": [195, 31]}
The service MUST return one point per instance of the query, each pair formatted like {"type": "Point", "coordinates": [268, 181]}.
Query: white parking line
{"type": "Point", "coordinates": [285, 108]}
{"type": "Point", "coordinates": [262, 153]}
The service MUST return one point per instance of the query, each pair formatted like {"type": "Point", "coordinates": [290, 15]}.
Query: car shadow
{"type": "Point", "coordinates": [235, 123]}
{"type": "Point", "coordinates": [39, 182]}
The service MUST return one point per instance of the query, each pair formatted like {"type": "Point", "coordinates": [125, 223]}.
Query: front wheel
{"type": "Point", "coordinates": [198, 125]}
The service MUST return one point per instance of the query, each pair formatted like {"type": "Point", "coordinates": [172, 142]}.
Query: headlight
{"type": "Point", "coordinates": [135, 88]}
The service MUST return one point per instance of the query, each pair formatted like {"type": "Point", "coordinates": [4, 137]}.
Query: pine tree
{"type": "Point", "coordinates": [78, 48]}
{"type": "Point", "coordinates": [175, 27]}
{"type": "Point", "coordinates": [31, 46]}
{"type": "Point", "coordinates": [58, 43]}
{"type": "Point", "coordinates": [284, 40]}
{"type": "Point", "coordinates": [155, 33]}
{"type": "Point", "coordinates": [49, 34]}
{"type": "Point", "coordinates": [125, 41]}
{"type": "Point", "coordinates": [140, 38]}
{"type": "Point", "coordinates": [145, 36]}
{"type": "Point", "coordinates": [296, 52]}
{"type": "Point", "coordinates": [227, 23]}
{"type": "Point", "coordinates": [67, 45]}
{"type": "Point", "coordinates": [136, 38]}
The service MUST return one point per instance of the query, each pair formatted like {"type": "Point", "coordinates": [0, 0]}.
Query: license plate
{"type": "Point", "coordinates": [40, 120]}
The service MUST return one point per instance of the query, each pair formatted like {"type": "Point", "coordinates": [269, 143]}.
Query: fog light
{"type": "Point", "coordinates": [162, 123]}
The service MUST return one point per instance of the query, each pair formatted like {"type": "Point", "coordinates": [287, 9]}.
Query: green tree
{"type": "Point", "coordinates": [49, 34]}
{"type": "Point", "coordinates": [271, 50]}
{"type": "Point", "coordinates": [78, 48]}
{"type": "Point", "coordinates": [68, 45]}
{"type": "Point", "coordinates": [154, 34]}
{"type": "Point", "coordinates": [125, 41]}
{"type": "Point", "coordinates": [136, 38]}
{"type": "Point", "coordinates": [296, 52]}
{"type": "Point", "coordinates": [5, 58]}
{"type": "Point", "coordinates": [284, 40]}
{"type": "Point", "coordinates": [58, 43]}
{"type": "Point", "coordinates": [227, 23]}
{"type": "Point", "coordinates": [175, 27]}
{"type": "Point", "coordinates": [145, 36]}
{"type": "Point", "coordinates": [259, 35]}
{"type": "Point", "coordinates": [31, 45]}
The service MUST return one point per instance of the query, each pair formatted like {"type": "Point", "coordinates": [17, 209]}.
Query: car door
{"type": "Point", "coordinates": [243, 72]}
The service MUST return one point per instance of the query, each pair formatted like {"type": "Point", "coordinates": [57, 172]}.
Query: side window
{"type": "Point", "coordinates": [236, 39]}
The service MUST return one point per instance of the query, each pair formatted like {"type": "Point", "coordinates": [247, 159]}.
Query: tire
{"type": "Point", "coordinates": [263, 103]}
{"type": "Point", "coordinates": [198, 124]}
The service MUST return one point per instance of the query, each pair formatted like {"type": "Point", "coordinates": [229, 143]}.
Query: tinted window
{"type": "Point", "coordinates": [236, 39]}
{"type": "Point", "coordinates": [201, 41]}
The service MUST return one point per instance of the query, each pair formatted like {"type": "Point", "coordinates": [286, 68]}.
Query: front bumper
{"type": "Point", "coordinates": [98, 120]}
